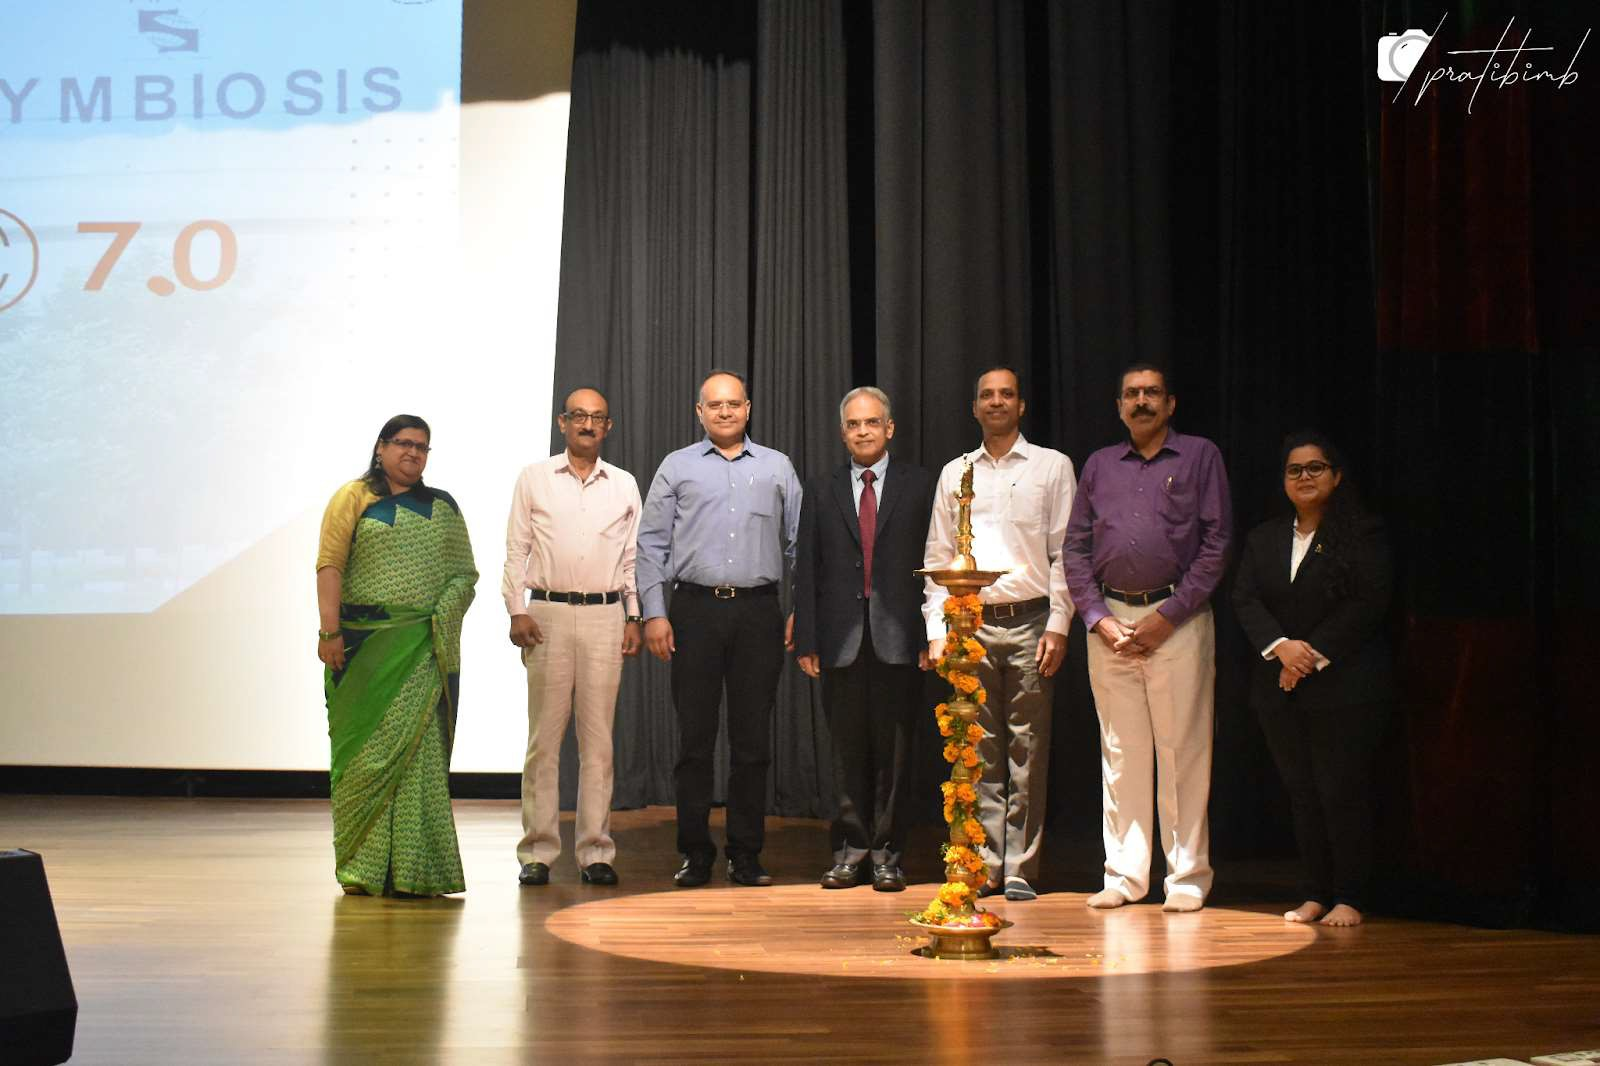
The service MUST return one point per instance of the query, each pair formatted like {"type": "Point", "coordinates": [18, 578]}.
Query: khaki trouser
{"type": "Point", "coordinates": [573, 675]}
{"type": "Point", "coordinates": [1156, 724]}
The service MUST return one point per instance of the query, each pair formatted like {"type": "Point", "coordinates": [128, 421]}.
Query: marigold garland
{"type": "Point", "coordinates": [956, 902]}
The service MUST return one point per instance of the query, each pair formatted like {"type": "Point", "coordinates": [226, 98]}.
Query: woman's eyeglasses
{"type": "Point", "coordinates": [1315, 469]}
{"type": "Point", "coordinates": [418, 446]}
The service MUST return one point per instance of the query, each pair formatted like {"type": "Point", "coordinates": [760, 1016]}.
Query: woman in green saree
{"type": "Point", "coordinates": [394, 578]}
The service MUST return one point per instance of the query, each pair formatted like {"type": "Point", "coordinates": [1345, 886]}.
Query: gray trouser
{"type": "Point", "coordinates": [1015, 744]}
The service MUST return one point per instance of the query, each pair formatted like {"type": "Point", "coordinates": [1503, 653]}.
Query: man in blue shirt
{"type": "Point", "coordinates": [719, 529]}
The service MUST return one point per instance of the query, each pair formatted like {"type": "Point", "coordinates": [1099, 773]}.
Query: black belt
{"type": "Point", "coordinates": [726, 592]}
{"type": "Point", "coordinates": [997, 611]}
{"type": "Point", "coordinates": [1139, 599]}
{"type": "Point", "coordinates": [577, 599]}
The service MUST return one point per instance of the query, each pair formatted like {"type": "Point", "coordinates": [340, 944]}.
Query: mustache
{"type": "Point", "coordinates": [1143, 410]}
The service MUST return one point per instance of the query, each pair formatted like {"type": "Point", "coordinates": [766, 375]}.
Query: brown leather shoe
{"type": "Point", "coordinates": [534, 873]}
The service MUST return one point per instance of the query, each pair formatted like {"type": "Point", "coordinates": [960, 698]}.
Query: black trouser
{"type": "Point", "coordinates": [1326, 757]}
{"type": "Point", "coordinates": [870, 706]}
{"type": "Point", "coordinates": [737, 643]}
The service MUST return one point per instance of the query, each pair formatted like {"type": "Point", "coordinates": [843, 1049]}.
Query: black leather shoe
{"type": "Point", "coordinates": [534, 873]}
{"type": "Point", "coordinates": [695, 871]}
{"type": "Point", "coordinates": [599, 873]}
{"type": "Point", "coordinates": [988, 889]}
{"type": "Point", "coordinates": [745, 870]}
{"type": "Point", "coordinates": [843, 875]}
{"type": "Point", "coordinates": [887, 878]}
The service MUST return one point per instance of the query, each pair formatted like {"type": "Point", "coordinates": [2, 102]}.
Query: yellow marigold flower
{"type": "Point", "coordinates": [945, 725]}
{"type": "Point", "coordinates": [941, 709]}
{"type": "Point", "coordinates": [947, 787]}
{"type": "Point", "coordinates": [952, 752]}
{"type": "Point", "coordinates": [969, 757]}
{"type": "Point", "coordinates": [974, 733]}
{"type": "Point", "coordinates": [964, 792]}
{"type": "Point", "coordinates": [954, 894]}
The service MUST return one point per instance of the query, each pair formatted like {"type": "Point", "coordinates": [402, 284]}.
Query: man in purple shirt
{"type": "Point", "coordinates": [1145, 549]}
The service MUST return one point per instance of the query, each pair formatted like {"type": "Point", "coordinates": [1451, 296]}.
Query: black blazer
{"type": "Point", "coordinates": [827, 572]}
{"type": "Point", "coordinates": [1349, 630]}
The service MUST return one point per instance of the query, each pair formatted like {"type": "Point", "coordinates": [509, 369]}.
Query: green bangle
{"type": "Point", "coordinates": [328, 636]}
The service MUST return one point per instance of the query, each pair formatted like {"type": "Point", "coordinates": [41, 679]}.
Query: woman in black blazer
{"type": "Point", "coordinates": [1312, 592]}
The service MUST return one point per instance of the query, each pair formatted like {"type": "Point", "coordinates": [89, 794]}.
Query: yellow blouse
{"type": "Point", "coordinates": [339, 523]}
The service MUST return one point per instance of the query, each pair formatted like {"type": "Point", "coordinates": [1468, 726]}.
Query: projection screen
{"type": "Point", "coordinates": [234, 239]}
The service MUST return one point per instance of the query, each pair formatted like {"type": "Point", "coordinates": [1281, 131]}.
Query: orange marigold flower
{"type": "Point", "coordinates": [947, 787]}
{"type": "Point", "coordinates": [941, 709]}
{"type": "Point", "coordinates": [964, 683]}
{"type": "Point", "coordinates": [981, 696]}
{"type": "Point", "coordinates": [945, 725]}
{"type": "Point", "coordinates": [952, 752]}
{"type": "Point", "coordinates": [973, 649]}
{"type": "Point", "coordinates": [969, 757]}
{"type": "Point", "coordinates": [973, 827]}
{"type": "Point", "coordinates": [964, 792]}
{"type": "Point", "coordinates": [974, 733]}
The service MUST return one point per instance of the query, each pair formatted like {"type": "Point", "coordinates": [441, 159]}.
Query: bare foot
{"type": "Point", "coordinates": [1106, 899]}
{"type": "Point", "coordinates": [1342, 914]}
{"type": "Point", "coordinates": [1182, 904]}
{"type": "Point", "coordinates": [1307, 912]}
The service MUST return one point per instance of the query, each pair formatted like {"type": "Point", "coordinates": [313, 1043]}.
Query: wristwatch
{"type": "Point", "coordinates": [634, 619]}
{"type": "Point", "coordinates": [323, 635]}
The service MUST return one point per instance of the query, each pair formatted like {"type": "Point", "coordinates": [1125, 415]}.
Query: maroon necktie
{"type": "Point", "coordinates": [867, 515]}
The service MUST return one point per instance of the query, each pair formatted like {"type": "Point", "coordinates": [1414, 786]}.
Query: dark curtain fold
{"type": "Point", "coordinates": [800, 361]}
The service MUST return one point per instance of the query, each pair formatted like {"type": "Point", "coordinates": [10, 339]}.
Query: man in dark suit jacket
{"type": "Point", "coordinates": [858, 625]}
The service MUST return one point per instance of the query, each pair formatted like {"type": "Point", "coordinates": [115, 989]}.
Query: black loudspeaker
{"type": "Point", "coordinates": [38, 1009]}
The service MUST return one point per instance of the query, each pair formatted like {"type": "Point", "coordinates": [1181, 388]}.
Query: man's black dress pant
{"type": "Point", "coordinates": [736, 645]}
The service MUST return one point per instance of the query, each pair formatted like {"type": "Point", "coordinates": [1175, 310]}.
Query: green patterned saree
{"type": "Point", "coordinates": [392, 709]}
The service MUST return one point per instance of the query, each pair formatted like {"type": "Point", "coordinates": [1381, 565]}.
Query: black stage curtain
{"type": "Point", "coordinates": [908, 192]}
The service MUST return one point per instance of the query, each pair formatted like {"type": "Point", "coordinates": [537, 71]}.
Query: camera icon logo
{"type": "Point", "coordinates": [1398, 54]}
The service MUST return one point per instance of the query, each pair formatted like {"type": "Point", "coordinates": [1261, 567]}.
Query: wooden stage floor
{"type": "Point", "coordinates": [211, 932]}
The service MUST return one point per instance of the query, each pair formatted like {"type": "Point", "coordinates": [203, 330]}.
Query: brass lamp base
{"type": "Point", "coordinates": [967, 943]}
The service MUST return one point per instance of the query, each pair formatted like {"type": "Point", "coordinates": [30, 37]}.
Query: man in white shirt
{"type": "Point", "coordinates": [1022, 495]}
{"type": "Point", "coordinates": [570, 590]}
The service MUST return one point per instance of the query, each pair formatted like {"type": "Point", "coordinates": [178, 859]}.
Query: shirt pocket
{"type": "Point", "coordinates": [765, 497]}
{"type": "Point", "coordinates": [1028, 509]}
{"type": "Point", "coordinates": [1177, 502]}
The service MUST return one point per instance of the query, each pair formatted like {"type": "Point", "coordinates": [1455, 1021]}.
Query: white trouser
{"type": "Point", "coordinates": [1160, 705]}
{"type": "Point", "coordinates": [575, 673]}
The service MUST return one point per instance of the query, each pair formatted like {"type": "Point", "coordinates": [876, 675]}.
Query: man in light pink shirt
{"type": "Point", "coordinates": [574, 606]}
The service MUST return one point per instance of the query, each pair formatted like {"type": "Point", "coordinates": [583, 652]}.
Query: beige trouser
{"type": "Point", "coordinates": [1159, 705]}
{"type": "Point", "coordinates": [573, 675]}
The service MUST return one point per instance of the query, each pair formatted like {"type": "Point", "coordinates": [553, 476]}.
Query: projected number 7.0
{"type": "Point", "coordinates": [182, 249]}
